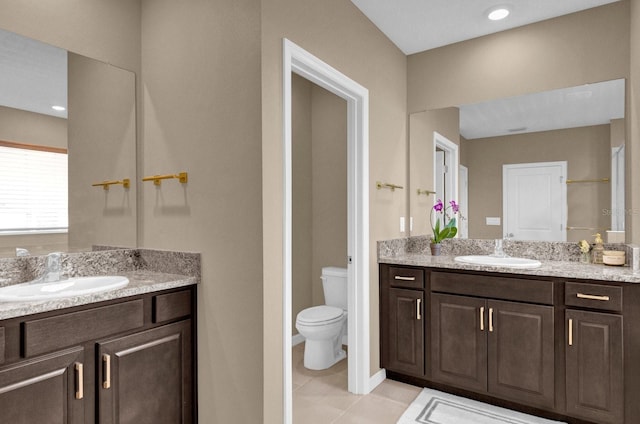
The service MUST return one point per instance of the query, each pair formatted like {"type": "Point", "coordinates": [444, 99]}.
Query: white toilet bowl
{"type": "Point", "coordinates": [322, 327]}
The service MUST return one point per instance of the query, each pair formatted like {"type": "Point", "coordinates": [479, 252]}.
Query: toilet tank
{"type": "Point", "coordinates": [334, 284]}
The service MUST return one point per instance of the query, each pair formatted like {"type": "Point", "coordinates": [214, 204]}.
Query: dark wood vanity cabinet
{"type": "Point", "coordinates": [502, 348]}
{"type": "Point", "coordinates": [47, 389]}
{"type": "Point", "coordinates": [146, 377]}
{"type": "Point", "coordinates": [567, 350]}
{"type": "Point", "coordinates": [122, 361]}
{"type": "Point", "coordinates": [594, 353]}
{"type": "Point", "coordinates": [403, 329]}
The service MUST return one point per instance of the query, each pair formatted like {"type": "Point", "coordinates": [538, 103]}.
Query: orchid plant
{"type": "Point", "coordinates": [444, 225]}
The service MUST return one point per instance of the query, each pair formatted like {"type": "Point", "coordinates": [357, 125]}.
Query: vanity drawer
{"type": "Point", "coordinates": [593, 296]}
{"type": "Point", "coordinates": [410, 278]}
{"type": "Point", "coordinates": [495, 287]}
{"type": "Point", "coordinates": [171, 306]}
{"type": "Point", "coordinates": [49, 334]}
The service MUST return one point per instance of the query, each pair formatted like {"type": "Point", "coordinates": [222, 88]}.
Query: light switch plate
{"type": "Point", "coordinates": [493, 220]}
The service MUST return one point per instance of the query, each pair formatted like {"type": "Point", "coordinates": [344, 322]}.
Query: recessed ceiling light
{"type": "Point", "coordinates": [58, 108]}
{"type": "Point", "coordinates": [498, 13]}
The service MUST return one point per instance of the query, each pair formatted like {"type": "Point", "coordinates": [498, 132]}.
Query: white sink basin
{"type": "Point", "coordinates": [65, 288]}
{"type": "Point", "coordinates": [508, 262]}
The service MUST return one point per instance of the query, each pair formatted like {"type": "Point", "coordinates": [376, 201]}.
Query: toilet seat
{"type": "Point", "coordinates": [320, 315]}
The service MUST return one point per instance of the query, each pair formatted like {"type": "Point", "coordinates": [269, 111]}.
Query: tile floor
{"type": "Point", "coordinates": [321, 397]}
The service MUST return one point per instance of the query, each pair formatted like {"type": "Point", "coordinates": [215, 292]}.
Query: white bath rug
{"type": "Point", "coordinates": [434, 407]}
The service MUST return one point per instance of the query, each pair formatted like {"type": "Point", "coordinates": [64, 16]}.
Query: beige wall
{"type": "Point", "coordinates": [336, 32]}
{"type": "Point", "coordinates": [302, 213]}
{"type": "Point", "coordinates": [422, 125]}
{"type": "Point", "coordinates": [201, 100]}
{"type": "Point", "coordinates": [319, 230]}
{"type": "Point", "coordinates": [632, 149]}
{"type": "Point", "coordinates": [587, 151]}
{"type": "Point", "coordinates": [21, 126]}
{"type": "Point", "coordinates": [107, 30]}
{"type": "Point", "coordinates": [579, 48]}
{"type": "Point", "coordinates": [102, 147]}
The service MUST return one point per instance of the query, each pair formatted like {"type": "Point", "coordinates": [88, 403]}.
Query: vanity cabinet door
{"type": "Point", "coordinates": [147, 377]}
{"type": "Point", "coordinates": [459, 341]}
{"type": "Point", "coordinates": [404, 335]}
{"type": "Point", "coordinates": [594, 367]}
{"type": "Point", "coordinates": [521, 363]}
{"type": "Point", "coordinates": [48, 389]}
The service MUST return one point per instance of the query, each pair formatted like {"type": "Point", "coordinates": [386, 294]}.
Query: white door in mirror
{"type": "Point", "coordinates": [66, 288]}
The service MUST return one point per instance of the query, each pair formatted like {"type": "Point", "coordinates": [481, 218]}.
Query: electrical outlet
{"type": "Point", "coordinates": [402, 224]}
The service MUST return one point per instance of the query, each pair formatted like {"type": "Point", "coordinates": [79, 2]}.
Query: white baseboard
{"type": "Point", "coordinates": [376, 379]}
{"type": "Point", "coordinates": [296, 339]}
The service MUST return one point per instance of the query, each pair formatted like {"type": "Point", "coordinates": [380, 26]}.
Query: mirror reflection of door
{"type": "Point", "coordinates": [445, 168]}
{"type": "Point", "coordinates": [463, 193]}
{"type": "Point", "coordinates": [535, 201]}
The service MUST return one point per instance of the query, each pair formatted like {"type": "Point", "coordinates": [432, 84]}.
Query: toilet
{"type": "Point", "coordinates": [324, 327]}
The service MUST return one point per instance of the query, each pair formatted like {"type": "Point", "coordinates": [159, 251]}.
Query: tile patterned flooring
{"type": "Point", "coordinates": [321, 397]}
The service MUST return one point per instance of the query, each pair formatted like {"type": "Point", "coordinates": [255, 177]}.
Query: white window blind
{"type": "Point", "coordinates": [33, 191]}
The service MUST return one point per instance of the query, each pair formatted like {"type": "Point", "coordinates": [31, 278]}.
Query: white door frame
{"type": "Point", "coordinates": [452, 161]}
{"type": "Point", "coordinates": [303, 63]}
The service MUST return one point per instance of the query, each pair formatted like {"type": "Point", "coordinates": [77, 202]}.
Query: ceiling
{"type": "Point", "coordinates": [419, 25]}
{"type": "Point", "coordinates": [34, 75]}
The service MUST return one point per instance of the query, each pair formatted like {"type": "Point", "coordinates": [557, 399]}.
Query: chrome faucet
{"type": "Point", "coordinates": [497, 250]}
{"type": "Point", "coordinates": [52, 268]}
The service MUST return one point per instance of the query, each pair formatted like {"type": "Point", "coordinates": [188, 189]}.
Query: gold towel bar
{"type": "Point", "coordinates": [586, 228]}
{"type": "Point", "coordinates": [426, 192]}
{"type": "Point", "coordinates": [182, 177]}
{"type": "Point", "coordinates": [597, 180]}
{"type": "Point", "coordinates": [392, 187]}
{"type": "Point", "coordinates": [126, 183]}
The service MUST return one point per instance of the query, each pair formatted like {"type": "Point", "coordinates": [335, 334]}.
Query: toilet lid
{"type": "Point", "coordinates": [319, 315]}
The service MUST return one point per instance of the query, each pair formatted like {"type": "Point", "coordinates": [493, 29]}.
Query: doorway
{"type": "Point", "coordinates": [535, 201]}
{"type": "Point", "coordinates": [297, 60]}
{"type": "Point", "coordinates": [445, 168]}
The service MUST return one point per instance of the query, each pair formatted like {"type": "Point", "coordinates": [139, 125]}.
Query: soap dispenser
{"type": "Point", "coordinates": [598, 249]}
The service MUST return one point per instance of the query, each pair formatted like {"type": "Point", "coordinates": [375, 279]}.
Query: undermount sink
{"type": "Point", "coordinates": [65, 288]}
{"type": "Point", "coordinates": [507, 262]}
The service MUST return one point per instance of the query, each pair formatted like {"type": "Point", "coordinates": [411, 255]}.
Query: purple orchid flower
{"type": "Point", "coordinates": [438, 206]}
{"type": "Point", "coordinates": [454, 206]}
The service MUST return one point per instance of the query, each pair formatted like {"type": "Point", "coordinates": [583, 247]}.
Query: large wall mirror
{"type": "Point", "coordinates": [93, 124]}
{"type": "Point", "coordinates": [542, 166]}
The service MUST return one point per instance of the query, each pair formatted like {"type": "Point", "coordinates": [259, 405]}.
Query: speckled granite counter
{"type": "Point", "coordinates": [559, 269]}
{"type": "Point", "coordinates": [558, 259]}
{"type": "Point", "coordinates": [147, 271]}
{"type": "Point", "coordinates": [140, 282]}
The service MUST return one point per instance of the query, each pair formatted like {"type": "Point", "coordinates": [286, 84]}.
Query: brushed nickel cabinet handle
{"type": "Point", "coordinates": [482, 318]}
{"type": "Point", "coordinates": [592, 297]}
{"type": "Point", "coordinates": [400, 277]}
{"type": "Point", "coordinates": [79, 380]}
{"type": "Point", "coordinates": [570, 332]}
{"type": "Point", "coordinates": [418, 305]}
{"type": "Point", "coordinates": [491, 320]}
{"type": "Point", "coordinates": [106, 371]}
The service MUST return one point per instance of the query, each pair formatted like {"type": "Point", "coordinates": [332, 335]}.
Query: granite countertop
{"type": "Point", "coordinates": [559, 269]}
{"type": "Point", "coordinates": [140, 282]}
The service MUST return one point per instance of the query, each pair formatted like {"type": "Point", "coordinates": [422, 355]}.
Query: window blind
{"type": "Point", "coordinates": [33, 191]}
